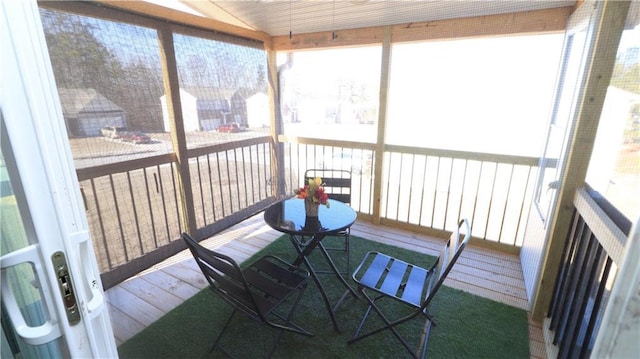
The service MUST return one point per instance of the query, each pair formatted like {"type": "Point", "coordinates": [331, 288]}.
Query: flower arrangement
{"type": "Point", "coordinates": [313, 191]}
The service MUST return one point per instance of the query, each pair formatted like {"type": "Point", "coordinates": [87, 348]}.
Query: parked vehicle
{"type": "Point", "coordinates": [230, 127]}
{"type": "Point", "coordinates": [113, 132]}
{"type": "Point", "coordinates": [135, 137]}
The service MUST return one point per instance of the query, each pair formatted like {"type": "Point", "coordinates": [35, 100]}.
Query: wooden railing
{"type": "Point", "coordinates": [231, 181]}
{"type": "Point", "coordinates": [428, 188]}
{"type": "Point", "coordinates": [593, 251]}
{"type": "Point", "coordinates": [134, 207]}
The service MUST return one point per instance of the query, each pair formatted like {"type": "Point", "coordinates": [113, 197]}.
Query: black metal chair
{"type": "Point", "coordinates": [337, 185]}
{"type": "Point", "coordinates": [257, 291]}
{"type": "Point", "coordinates": [408, 284]}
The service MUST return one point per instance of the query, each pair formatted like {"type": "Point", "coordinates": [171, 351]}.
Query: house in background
{"type": "Point", "coordinates": [86, 111]}
{"type": "Point", "coordinates": [203, 108]}
{"type": "Point", "coordinates": [254, 107]}
{"type": "Point", "coordinates": [249, 108]}
{"type": "Point", "coordinates": [206, 108]}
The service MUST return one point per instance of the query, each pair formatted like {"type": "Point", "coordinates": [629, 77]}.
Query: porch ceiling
{"type": "Point", "coordinates": [276, 17]}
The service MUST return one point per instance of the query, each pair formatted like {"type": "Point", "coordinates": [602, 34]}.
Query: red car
{"type": "Point", "coordinates": [135, 137]}
{"type": "Point", "coordinates": [230, 127]}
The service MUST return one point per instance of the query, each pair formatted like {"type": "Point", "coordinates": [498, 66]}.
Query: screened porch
{"type": "Point", "coordinates": [219, 122]}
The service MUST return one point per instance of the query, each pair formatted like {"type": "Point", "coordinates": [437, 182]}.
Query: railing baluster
{"type": "Point", "coordinates": [506, 201]}
{"type": "Point", "coordinates": [213, 203]}
{"type": "Point", "coordinates": [475, 202]}
{"type": "Point", "coordinates": [220, 185]}
{"type": "Point", "coordinates": [446, 205]}
{"type": "Point", "coordinates": [251, 171]}
{"type": "Point", "coordinates": [399, 186]}
{"type": "Point", "coordinates": [522, 204]}
{"type": "Point", "coordinates": [424, 176]}
{"type": "Point", "coordinates": [120, 226]}
{"type": "Point", "coordinates": [202, 203]}
{"type": "Point", "coordinates": [594, 321]}
{"type": "Point", "coordinates": [386, 199]}
{"type": "Point", "coordinates": [464, 181]}
{"type": "Point", "coordinates": [101, 224]}
{"type": "Point", "coordinates": [435, 192]}
{"type": "Point", "coordinates": [162, 198]}
{"type": "Point", "coordinates": [237, 173]}
{"type": "Point", "coordinates": [135, 212]}
{"type": "Point", "coordinates": [174, 170]}
{"type": "Point", "coordinates": [413, 162]}
{"type": "Point", "coordinates": [575, 266]}
{"type": "Point", "coordinates": [151, 215]}
{"type": "Point", "coordinates": [493, 186]}
{"type": "Point", "coordinates": [575, 312]}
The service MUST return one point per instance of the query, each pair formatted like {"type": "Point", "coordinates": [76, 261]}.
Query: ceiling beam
{"type": "Point", "coordinates": [537, 21]}
{"type": "Point", "coordinates": [161, 12]}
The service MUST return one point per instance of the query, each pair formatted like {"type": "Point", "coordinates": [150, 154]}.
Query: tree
{"type": "Point", "coordinates": [78, 58]}
{"type": "Point", "coordinates": [81, 60]}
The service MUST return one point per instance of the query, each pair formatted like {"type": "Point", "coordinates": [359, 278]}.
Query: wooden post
{"type": "Point", "coordinates": [176, 123]}
{"type": "Point", "coordinates": [382, 123]}
{"type": "Point", "coordinates": [607, 33]}
{"type": "Point", "coordinates": [277, 127]}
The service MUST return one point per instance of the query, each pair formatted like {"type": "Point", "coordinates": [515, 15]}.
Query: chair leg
{"type": "Point", "coordinates": [389, 324]}
{"type": "Point", "coordinates": [347, 252]}
{"type": "Point", "coordinates": [424, 339]}
{"type": "Point", "coordinates": [347, 249]}
{"type": "Point", "coordinates": [288, 324]}
{"type": "Point", "coordinates": [215, 343]}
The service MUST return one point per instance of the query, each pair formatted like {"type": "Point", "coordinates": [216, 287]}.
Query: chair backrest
{"type": "Point", "coordinates": [337, 183]}
{"type": "Point", "coordinates": [448, 257]}
{"type": "Point", "coordinates": [225, 278]}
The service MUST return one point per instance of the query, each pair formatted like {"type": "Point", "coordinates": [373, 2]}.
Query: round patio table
{"type": "Point", "coordinates": [306, 234]}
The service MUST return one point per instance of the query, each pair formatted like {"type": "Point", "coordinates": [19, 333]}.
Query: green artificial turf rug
{"type": "Point", "coordinates": [468, 326]}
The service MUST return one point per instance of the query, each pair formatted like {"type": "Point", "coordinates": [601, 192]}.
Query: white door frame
{"type": "Point", "coordinates": [38, 140]}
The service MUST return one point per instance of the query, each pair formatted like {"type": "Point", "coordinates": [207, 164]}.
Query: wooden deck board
{"type": "Point", "coordinates": [126, 326]}
{"type": "Point", "coordinates": [144, 298]}
{"type": "Point", "coordinates": [171, 284]}
{"type": "Point", "coordinates": [152, 294]}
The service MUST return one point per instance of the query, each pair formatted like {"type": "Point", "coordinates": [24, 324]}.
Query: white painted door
{"type": "Point", "coordinates": [569, 91]}
{"type": "Point", "coordinates": [52, 299]}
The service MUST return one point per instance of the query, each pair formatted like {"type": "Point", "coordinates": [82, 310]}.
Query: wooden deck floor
{"type": "Point", "coordinates": [143, 299]}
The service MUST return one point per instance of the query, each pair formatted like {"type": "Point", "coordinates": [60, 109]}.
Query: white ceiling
{"type": "Point", "coordinates": [278, 17]}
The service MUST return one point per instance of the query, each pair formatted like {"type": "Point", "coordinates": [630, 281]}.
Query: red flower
{"type": "Point", "coordinates": [313, 191]}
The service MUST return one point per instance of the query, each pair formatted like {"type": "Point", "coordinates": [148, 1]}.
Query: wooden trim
{"type": "Point", "coordinates": [146, 14]}
{"type": "Point", "coordinates": [476, 156]}
{"type": "Point", "coordinates": [537, 21]}
{"type": "Point", "coordinates": [608, 234]}
{"type": "Point", "coordinates": [126, 166]}
{"type": "Point", "coordinates": [323, 142]}
{"type": "Point", "coordinates": [226, 146]}
{"type": "Point", "coordinates": [344, 38]}
{"type": "Point", "coordinates": [159, 12]}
